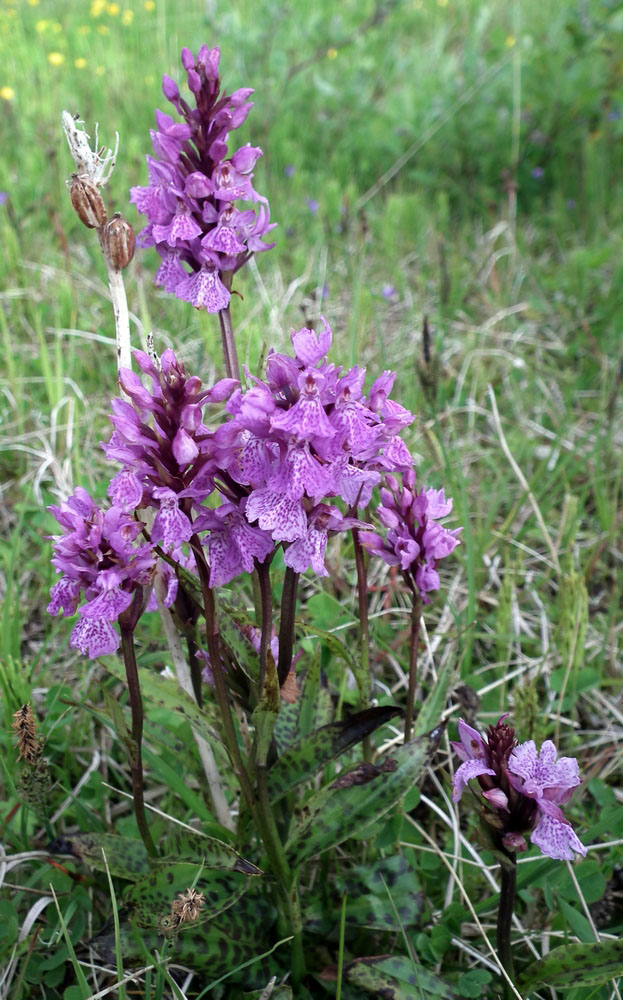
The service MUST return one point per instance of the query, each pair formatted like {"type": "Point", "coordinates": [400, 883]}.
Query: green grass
{"type": "Point", "coordinates": [467, 154]}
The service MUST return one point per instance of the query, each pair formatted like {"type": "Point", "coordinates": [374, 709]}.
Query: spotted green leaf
{"type": "Point", "coordinates": [397, 978]}
{"type": "Point", "coordinates": [278, 993]}
{"type": "Point", "coordinates": [342, 652]}
{"type": "Point", "coordinates": [166, 693]}
{"type": "Point", "coordinates": [182, 845]}
{"type": "Point", "coordinates": [357, 798]}
{"type": "Point", "coordinates": [126, 857]}
{"type": "Point", "coordinates": [150, 899]}
{"type": "Point", "coordinates": [576, 965]}
{"type": "Point", "coordinates": [307, 756]}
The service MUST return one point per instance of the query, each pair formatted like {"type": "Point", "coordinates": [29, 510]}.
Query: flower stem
{"type": "Point", "coordinates": [214, 653]}
{"type": "Point", "coordinates": [364, 634]}
{"type": "Point", "coordinates": [286, 625]}
{"type": "Point", "coordinates": [505, 917]}
{"type": "Point", "coordinates": [263, 576]}
{"type": "Point", "coordinates": [416, 612]}
{"type": "Point", "coordinates": [288, 888]}
{"type": "Point", "coordinates": [229, 345]}
{"type": "Point", "coordinates": [136, 764]}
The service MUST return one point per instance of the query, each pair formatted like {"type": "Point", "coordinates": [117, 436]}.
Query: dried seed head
{"type": "Point", "coordinates": [187, 905]}
{"type": "Point", "coordinates": [87, 201]}
{"type": "Point", "coordinates": [28, 746]}
{"type": "Point", "coordinates": [118, 242]}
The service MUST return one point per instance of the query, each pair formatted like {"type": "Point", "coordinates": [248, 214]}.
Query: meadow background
{"type": "Point", "coordinates": [448, 164]}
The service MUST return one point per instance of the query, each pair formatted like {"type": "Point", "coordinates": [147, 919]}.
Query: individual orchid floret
{"type": "Point", "coordinates": [415, 540]}
{"type": "Point", "coordinates": [192, 201]}
{"type": "Point", "coordinates": [100, 558]}
{"type": "Point", "coordinates": [522, 790]}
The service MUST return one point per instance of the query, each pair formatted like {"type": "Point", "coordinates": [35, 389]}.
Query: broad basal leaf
{"type": "Point", "coordinates": [397, 978]}
{"type": "Point", "coordinates": [357, 798]}
{"type": "Point", "coordinates": [576, 965]}
{"type": "Point", "coordinates": [149, 900]}
{"type": "Point", "coordinates": [126, 857]}
{"type": "Point", "coordinates": [309, 755]}
{"type": "Point", "coordinates": [166, 693]}
{"type": "Point", "coordinates": [181, 845]}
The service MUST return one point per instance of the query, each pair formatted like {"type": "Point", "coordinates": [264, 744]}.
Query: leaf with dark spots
{"type": "Point", "coordinates": [149, 900]}
{"type": "Point", "coordinates": [576, 965]}
{"type": "Point", "coordinates": [126, 858]}
{"type": "Point", "coordinates": [335, 814]}
{"type": "Point", "coordinates": [396, 978]}
{"type": "Point", "coordinates": [181, 845]}
{"type": "Point", "coordinates": [166, 693]}
{"type": "Point", "coordinates": [364, 773]}
{"type": "Point", "coordinates": [308, 755]}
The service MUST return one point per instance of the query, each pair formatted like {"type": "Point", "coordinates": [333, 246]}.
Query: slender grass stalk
{"type": "Point", "coordinates": [115, 915]}
{"type": "Point", "coordinates": [340, 954]}
{"type": "Point", "coordinates": [136, 763]}
{"type": "Point", "coordinates": [416, 612]}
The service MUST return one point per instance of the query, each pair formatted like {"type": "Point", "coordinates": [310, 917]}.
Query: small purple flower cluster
{"type": "Point", "coordinates": [414, 540]}
{"type": "Point", "coordinates": [305, 436]}
{"type": "Point", "coordinates": [97, 554]}
{"type": "Point", "coordinates": [522, 790]}
{"type": "Point", "coordinates": [308, 433]}
{"type": "Point", "coordinates": [193, 185]}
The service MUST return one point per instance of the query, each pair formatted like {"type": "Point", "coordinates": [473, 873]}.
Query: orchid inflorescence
{"type": "Point", "coordinates": [522, 790]}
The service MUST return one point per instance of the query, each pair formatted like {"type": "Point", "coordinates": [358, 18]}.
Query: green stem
{"type": "Point", "coordinates": [136, 763]}
{"type": "Point", "coordinates": [505, 918]}
{"type": "Point", "coordinates": [227, 339]}
{"type": "Point", "coordinates": [286, 625]}
{"type": "Point", "coordinates": [263, 576]}
{"type": "Point", "coordinates": [364, 633]}
{"type": "Point", "coordinates": [416, 612]}
{"type": "Point", "coordinates": [288, 888]}
{"type": "Point", "coordinates": [214, 653]}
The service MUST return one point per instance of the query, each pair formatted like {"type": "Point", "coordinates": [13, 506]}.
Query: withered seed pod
{"type": "Point", "coordinates": [118, 241]}
{"type": "Point", "coordinates": [87, 201]}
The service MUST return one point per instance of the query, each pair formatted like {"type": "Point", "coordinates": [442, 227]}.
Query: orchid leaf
{"type": "Point", "coordinates": [357, 798]}
{"type": "Point", "coordinates": [573, 965]}
{"type": "Point", "coordinates": [397, 978]}
{"type": "Point", "coordinates": [126, 857]}
{"type": "Point", "coordinates": [149, 900]}
{"type": "Point", "coordinates": [307, 756]}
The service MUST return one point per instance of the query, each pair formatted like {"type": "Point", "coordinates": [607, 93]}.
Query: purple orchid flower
{"type": "Point", "coordinates": [523, 790]}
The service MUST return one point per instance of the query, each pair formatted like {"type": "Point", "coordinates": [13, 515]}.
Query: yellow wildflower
{"type": "Point", "coordinates": [80, 62]}
{"type": "Point", "coordinates": [56, 58]}
{"type": "Point", "coordinates": [332, 53]}
{"type": "Point", "coordinates": [98, 7]}
{"type": "Point", "coordinates": [7, 93]}
{"type": "Point", "coordinates": [33, 3]}
{"type": "Point", "coordinates": [127, 17]}
{"type": "Point", "coordinates": [510, 41]}
{"type": "Point", "coordinates": [103, 29]}
{"type": "Point", "coordinates": [41, 26]}
{"type": "Point", "coordinates": [149, 5]}
{"type": "Point", "coordinates": [112, 9]}
{"type": "Point", "coordinates": [84, 29]}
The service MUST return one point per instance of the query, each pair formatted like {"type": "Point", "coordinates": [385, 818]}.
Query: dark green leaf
{"type": "Point", "coordinates": [150, 899]}
{"type": "Point", "coordinates": [310, 754]}
{"type": "Point", "coordinates": [576, 965]}
{"type": "Point", "coordinates": [357, 798]}
{"type": "Point", "coordinates": [126, 857]}
{"type": "Point", "coordinates": [166, 693]}
{"type": "Point", "coordinates": [396, 978]}
{"type": "Point", "coordinates": [182, 845]}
